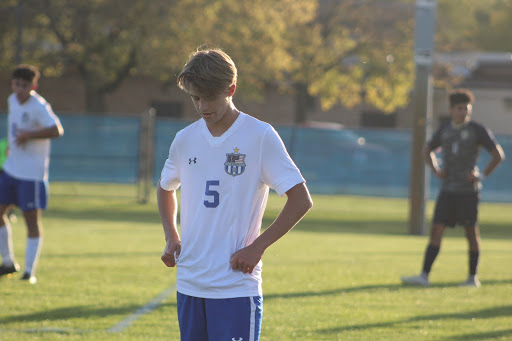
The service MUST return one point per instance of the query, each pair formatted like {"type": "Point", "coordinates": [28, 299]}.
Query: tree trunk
{"type": "Point", "coordinates": [302, 102]}
{"type": "Point", "coordinates": [94, 99]}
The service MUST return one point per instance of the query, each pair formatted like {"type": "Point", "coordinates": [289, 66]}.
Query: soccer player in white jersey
{"type": "Point", "coordinates": [457, 203]}
{"type": "Point", "coordinates": [225, 164]}
{"type": "Point", "coordinates": [24, 181]}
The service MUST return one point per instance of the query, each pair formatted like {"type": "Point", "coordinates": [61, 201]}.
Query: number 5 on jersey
{"type": "Point", "coordinates": [214, 195]}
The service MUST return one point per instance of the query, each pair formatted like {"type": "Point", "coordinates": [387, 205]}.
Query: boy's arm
{"type": "Point", "coordinates": [431, 160]}
{"type": "Point", "coordinates": [168, 208]}
{"type": "Point", "coordinates": [497, 155]}
{"type": "Point", "coordinates": [23, 136]}
{"type": "Point", "coordinates": [297, 205]}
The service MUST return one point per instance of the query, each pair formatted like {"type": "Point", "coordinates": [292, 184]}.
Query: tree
{"type": "Point", "coordinates": [8, 33]}
{"type": "Point", "coordinates": [494, 26]}
{"type": "Point", "coordinates": [102, 40]}
{"type": "Point", "coordinates": [341, 52]}
{"type": "Point", "coordinates": [355, 52]}
{"type": "Point", "coordinates": [253, 32]}
{"type": "Point", "coordinates": [107, 41]}
{"type": "Point", "coordinates": [337, 54]}
{"type": "Point", "coordinates": [485, 26]}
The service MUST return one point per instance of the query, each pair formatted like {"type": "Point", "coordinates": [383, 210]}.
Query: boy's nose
{"type": "Point", "coordinates": [203, 105]}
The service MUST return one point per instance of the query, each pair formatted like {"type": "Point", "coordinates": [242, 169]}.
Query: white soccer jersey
{"type": "Point", "coordinates": [224, 190]}
{"type": "Point", "coordinates": [31, 161]}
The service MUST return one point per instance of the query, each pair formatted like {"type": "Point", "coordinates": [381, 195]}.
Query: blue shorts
{"type": "Point", "coordinates": [220, 319]}
{"type": "Point", "coordinates": [28, 195]}
{"type": "Point", "coordinates": [456, 209]}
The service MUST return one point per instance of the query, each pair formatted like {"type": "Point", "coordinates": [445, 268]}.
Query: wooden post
{"type": "Point", "coordinates": [146, 156]}
{"type": "Point", "coordinates": [423, 58]}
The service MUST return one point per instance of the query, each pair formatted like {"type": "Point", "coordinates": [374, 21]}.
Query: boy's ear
{"type": "Point", "coordinates": [231, 90]}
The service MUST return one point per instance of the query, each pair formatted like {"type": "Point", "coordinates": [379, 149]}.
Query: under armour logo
{"type": "Point", "coordinates": [240, 339]}
{"type": "Point", "coordinates": [194, 160]}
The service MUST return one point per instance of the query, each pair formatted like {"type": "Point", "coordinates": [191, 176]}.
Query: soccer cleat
{"type": "Point", "coordinates": [28, 277]}
{"type": "Point", "coordinates": [9, 269]}
{"type": "Point", "coordinates": [416, 280]}
{"type": "Point", "coordinates": [472, 281]}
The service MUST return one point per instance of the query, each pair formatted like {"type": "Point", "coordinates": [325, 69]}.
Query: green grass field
{"type": "Point", "coordinates": [334, 277]}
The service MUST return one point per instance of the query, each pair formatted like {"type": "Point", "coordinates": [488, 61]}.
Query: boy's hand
{"type": "Point", "coordinates": [474, 176]}
{"type": "Point", "coordinates": [440, 173]}
{"type": "Point", "coordinates": [22, 137]}
{"type": "Point", "coordinates": [171, 253]}
{"type": "Point", "coordinates": [246, 259]}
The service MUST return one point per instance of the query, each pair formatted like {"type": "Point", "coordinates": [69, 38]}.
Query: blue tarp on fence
{"type": "Point", "coordinates": [361, 162]}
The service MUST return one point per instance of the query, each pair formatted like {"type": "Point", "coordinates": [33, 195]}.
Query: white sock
{"type": "Point", "coordinates": [32, 254]}
{"type": "Point", "coordinates": [6, 249]}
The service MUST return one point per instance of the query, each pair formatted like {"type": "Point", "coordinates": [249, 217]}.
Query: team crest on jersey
{"type": "Point", "coordinates": [235, 163]}
{"type": "Point", "coordinates": [25, 117]}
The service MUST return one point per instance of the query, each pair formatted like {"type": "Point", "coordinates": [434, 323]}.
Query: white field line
{"type": "Point", "coordinates": [152, 305]}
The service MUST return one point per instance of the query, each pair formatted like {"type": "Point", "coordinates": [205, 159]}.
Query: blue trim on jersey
{"type": "Point", "coordinates": [219, 319]}
{"type": "Point", "coordinates": [28, 195]}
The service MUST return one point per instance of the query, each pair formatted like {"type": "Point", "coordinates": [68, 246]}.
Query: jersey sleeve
{"type": "Point", "coordinates": [279, 171]}
{"type": "Point", "coordinates": [486, 138]}
{"type": "Point", "coordinates": [435, 140]}
{"type": "Point", "coordinates": [170, 177]}
{"type": "Point", "coordinates": [46, 116]}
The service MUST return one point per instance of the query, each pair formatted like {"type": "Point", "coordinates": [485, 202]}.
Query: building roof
{"type": "Point", "coordinates": [481, 69]}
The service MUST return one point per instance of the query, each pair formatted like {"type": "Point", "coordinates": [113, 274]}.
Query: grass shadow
{"type": "Point", "coordinates": [66, 313]}
{"type": "Point", "coordinates": [390, 227]}
{"type": "Point", "coordinates": [102, 255]}
{"type": "Point", "coordinates": [149, 215]}
{"type": "Point", "coordinates": [483, 335]}
{"type": "Point", "coordinates": [490, 313]}
{"type": "Point", "coordinates": [372, 287]}
{"type": "Point", "coordinates": [79, 312]}
{"type": "Point", "coordinates": [106, 213]}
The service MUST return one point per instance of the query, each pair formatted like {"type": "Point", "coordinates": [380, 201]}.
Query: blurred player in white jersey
{"type": "Point", "coordinates": [24, 181]}
{"type": "Point", "coordinates": [225, 164]}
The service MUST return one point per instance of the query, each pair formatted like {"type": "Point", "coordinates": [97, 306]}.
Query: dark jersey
{"type": "Point", "coordinates": [461, 147]}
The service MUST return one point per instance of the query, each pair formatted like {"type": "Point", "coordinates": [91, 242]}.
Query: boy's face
{"type": "Point", "coordinates": [22, 89]}
{"type": "Point", "coordinates": [213, 109]}
{"type": "Point", "coordinates": [460, 112]}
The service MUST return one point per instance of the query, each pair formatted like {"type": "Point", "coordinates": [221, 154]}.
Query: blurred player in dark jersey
{"type": "Point", "coordinates": [457, 203]}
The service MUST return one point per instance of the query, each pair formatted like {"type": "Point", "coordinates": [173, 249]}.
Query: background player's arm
{"type": "Point", "coordinates": [298, 203]}
{"type": "Point", "coordinates": [431, 160]}
{"type": "Point", "coordinates": [23, 136]}
{"type": "Point", "coordinates": [497, 156]}
{"type": "Point", "coordinates": [168, 208]}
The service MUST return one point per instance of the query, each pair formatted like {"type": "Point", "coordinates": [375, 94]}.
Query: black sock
{"type": "Point", "coordinates": [473, 262]}
{"type": "Point", "coordinates": [430, 256]}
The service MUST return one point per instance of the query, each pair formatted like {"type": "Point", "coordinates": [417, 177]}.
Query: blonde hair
{"type": "Point", "coordinates": [208, 72]}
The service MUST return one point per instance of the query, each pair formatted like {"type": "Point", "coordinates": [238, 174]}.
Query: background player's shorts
{"type": "Point", "coordinates": [28, 195]}
{"type": "Point", "coordinates": [228, 318]}
{"type": "Point", "coordinates": [457, 208]}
